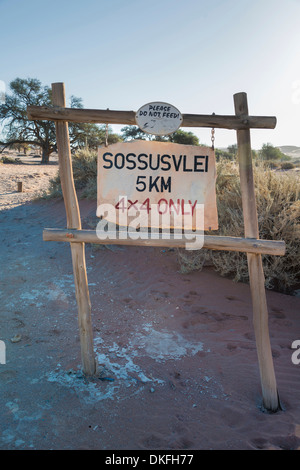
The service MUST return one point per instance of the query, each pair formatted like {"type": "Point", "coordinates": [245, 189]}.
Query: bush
{"type": "Point", "coordinates": [10, 160]}
{"type": "Point", "coordinates": [278, 207]}
{"type": "Point", "coordinates": [287, 166]}
{"type": "Point", "coordinates": [85, 172]}
{"type": "Point", "coordinates": [269, 152]}
{"type": "Point", "coordinates": [84, 164]}
{"type": "Point", "coordinates": [273, 165]}
{"type": "Point", "coordinates": [223, 154]}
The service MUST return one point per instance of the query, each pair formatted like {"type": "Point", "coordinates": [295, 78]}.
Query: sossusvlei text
{"type": "Point", "coordinates": [165, 162]}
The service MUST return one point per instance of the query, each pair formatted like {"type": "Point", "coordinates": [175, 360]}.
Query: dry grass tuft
{"type": "Point", "coordinates": [84, 164]}
{"type": "Point", "coordinates": [10, 160]}
{"type": "Point", "coordinates": [278, 207]}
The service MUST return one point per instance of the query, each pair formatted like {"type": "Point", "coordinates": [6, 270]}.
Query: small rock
{"type": "Point", "coordinates": [152, 390]}
{"type": "Point", "coordinates": [16, 339]}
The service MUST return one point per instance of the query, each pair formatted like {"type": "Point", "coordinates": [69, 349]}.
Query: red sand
{"type": "Point", "coordinates": [178, 350]}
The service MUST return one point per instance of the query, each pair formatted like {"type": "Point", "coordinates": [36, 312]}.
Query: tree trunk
{"type": "Point", "coordinates": [45, 155]}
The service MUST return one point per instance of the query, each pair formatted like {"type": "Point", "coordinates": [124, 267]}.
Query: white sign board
{"type": "Point", "coordinates": [158, 118]}
{"type": "Point", "coordinates": [156, 180]}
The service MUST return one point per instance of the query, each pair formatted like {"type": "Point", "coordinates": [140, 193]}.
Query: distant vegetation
{"type": "Point", "coordinates": [179, 137]}
{"type": "Point", "coordinates": [18, 130]}
{"type": "Point", "coordinates": [268, 152]}
{"type": "Point", "coordinates": [273, 157]}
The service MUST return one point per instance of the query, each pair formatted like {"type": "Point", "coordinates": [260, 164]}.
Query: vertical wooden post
{"type": "Point", "coordinates": [256, 274]}
{"type": "Point", "coordinates": [77, 249]}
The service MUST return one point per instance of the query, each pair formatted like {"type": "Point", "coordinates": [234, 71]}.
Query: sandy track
{"type": "Point", "coordinates": [34, 176]}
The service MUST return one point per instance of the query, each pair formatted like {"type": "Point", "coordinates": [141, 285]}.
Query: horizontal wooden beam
{"type": "Point", "coordinates": [229, 122]}
{"type": "Point", "coordinates": [106, 116]}
{"type": "Point", "coordinates": [103, 116]}
{"type": "Point", "coordinates": [213, 242]}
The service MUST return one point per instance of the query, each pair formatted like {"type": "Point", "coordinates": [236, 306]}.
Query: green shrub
{"type": "Point", "coordinates": [15, 161]}
{"type": "Point", "coordinates": [84, 164]}
{"type": "Point", "coordinates": [272, 165]}
{"type": "Point", "coordinates": [269, 152]}
{"type": "Point", "coordinates": [287, 166]}
{"type": "Point", "coordinates": [84, 167]}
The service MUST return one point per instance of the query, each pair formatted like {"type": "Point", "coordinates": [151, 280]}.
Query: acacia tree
{"type": "Point", "coordinates": [19, 130]}
{"type": "Point", "coordinates": [184, 137]}
{"type": "Point", "coordinates": [13, 114]}
{"type": "Point", "coordinates": [178, 137]}
{"type": "Point", "coordinates": [269, 152]}
{"type": "Point", "coordinates": [134, 133]}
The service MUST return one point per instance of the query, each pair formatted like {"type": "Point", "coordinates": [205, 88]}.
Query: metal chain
{"type": "Point", "coordinates": [106, 133]}
{"type": "Point", "coordinates": [213, 136]}
{"type": "Point", "coordinates": [106, 136]}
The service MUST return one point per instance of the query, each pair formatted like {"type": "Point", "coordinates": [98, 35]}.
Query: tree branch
{"type": "Point", "coordinates": [18, 141]}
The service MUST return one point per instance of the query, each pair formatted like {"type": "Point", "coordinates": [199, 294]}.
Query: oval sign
{"type": "Point", "coordinates": [158, 118]}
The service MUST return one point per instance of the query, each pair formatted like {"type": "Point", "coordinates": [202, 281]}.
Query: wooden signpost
{"type": "Point", "coordinates": [251, 244]}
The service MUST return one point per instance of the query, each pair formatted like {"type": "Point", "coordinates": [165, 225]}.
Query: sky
{"type": "Point", "coordinates": [193, 54]}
